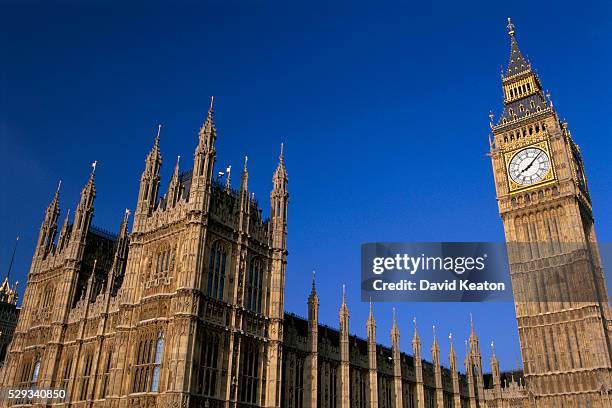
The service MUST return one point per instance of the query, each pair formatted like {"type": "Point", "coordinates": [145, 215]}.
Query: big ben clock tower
{"type": "Point", "coordinates": [561, 301]}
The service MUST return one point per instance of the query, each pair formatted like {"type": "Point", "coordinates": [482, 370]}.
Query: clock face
{"type": "Point", "coordinates": [529, 166]}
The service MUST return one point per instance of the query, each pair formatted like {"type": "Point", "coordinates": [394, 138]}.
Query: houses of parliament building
{"type": "Point", "coordinates": [186, 309]}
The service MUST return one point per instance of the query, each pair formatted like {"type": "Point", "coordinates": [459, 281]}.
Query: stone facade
{"type": "Point", "coordinates": [562, 305]}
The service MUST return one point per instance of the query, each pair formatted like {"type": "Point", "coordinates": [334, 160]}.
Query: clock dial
{"type": "Point", "coordinates": [529, 166]}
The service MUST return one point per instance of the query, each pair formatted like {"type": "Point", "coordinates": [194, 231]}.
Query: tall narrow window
{"type": "Point", "coordinates": [216, 271]}
{"type": "Point", "coordinates": [35, 372]}
{"type": "Point", "coordinates": [159, 352]}
{"type": "Point", "coordinates": [106, 375]}
{"type": "Point", "coordinates": [86, 376]}
{"type": "Point", "coordinates": [209, 365]}
{"type": "Point", "coordinates": [67, 370]}
{"type": "Point", "coordinates": [249, 374]}
{"type": "Point", "coordinates": [254, 285]}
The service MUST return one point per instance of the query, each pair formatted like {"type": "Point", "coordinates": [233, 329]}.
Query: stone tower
{"type": "Point", "coordinates": [561, 301]}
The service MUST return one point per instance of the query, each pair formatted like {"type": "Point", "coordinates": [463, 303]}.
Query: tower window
{"type": "Point", "coordinates": [216, 271]}
{"type": "Point", "coordinates": [159, 351]}
{"type": "Point", "coordinates": [209, 365]}
{"type": "Point", "coordinates": [255, 285]}
{"type": "Point", "coordinates": [249, 374]}
{"type": "Point", "coordinates": [148, 363]}
{"type": "Point", "coordinates": [85, 376]}
{"type": "Point", "coordinates": [35, 372]}
{"type": "Point", "coordinates": [164, 262]}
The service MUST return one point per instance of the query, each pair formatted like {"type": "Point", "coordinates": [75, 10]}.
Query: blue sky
{"type": "Point", "coordinates": [383, 109]}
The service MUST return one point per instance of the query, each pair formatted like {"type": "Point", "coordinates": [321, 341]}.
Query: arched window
{"type": "Point", "coordinates": [163, 262]}
{"type": "Point", "coordinates": [209, 365]}
{"type": "Point", "coordinates": [249, 374]}
{"type": "Point", "coordinates": [159, 352]}
{"type": "Point", "coordinates": [35, 372]}
{"type": "Point", "coordinates": [255, 285]}
{"type": "Point", "coordinates": [216, 271]}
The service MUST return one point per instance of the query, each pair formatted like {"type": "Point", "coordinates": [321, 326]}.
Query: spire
{"type": "Point", "coordinates": [208, 132]}
{"type": "Point", "coordinates": [174, 188]}
{"type": "Point", "coordinates": [313, 290]}
{"type": "Point", "coordinates": [516, 62]}
{"type": "Point", "coordinates": [493, 356]}
{"type": "Point", "coordinates": [48, 229]}
{"type": "Point", "coordinates": [83, 213]}
{"type": "Point", "coordinates": [228, 179]}
{"type": "Point", "coordinates": [244, 180]}
{"type": "Point", "coordinates": [435, 338]}
{"type": "Point", "coordinates": [281, 172]}
{"type": "Point", "coordinates": [415, 337]}
{"type": "Point", "coordinates": [395, 331]}
{"type": "Point", "coordinates": [177, 167]}
{"type": "Point", "coordinates": [452, 352]}
{"type": "Point", "coordinates": [313, 298]}
{"type": "Point", "coordinates": [371, 325]}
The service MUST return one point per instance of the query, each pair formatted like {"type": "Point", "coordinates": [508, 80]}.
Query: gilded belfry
{"type": "Point", "coordinates": [562, 305]}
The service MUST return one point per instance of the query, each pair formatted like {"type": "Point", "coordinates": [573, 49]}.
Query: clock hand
{"type": "Point", "coordinates": [530, 164]}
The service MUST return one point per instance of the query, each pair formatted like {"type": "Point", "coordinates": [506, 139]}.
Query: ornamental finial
{"type": "Point", "coordinates": [510, 27]}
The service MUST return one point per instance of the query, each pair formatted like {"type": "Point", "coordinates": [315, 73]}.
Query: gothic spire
{"type": "Point", "coordinates": [415, 337]}
{"type": "Point", "coordinates": [516, 63]}
{"type": "Point", "coordinates": [435, 338]}
{"type": "Point", "coordinates": [64, 233]}
{"type": "Point", "coordinates": [48, 229]}
{"type": "Point", "coordinates": [394, 328]}
{"type": "Point", "coordinates": [208, 132]}
{"type": "Point", "coordinates": [244, 179]}
{"type": "Point", "coordinates": [281, 172]}
{"type": "Point", "coordinates": [313, 290]}
{"type": "Point", "coordinates": [84, 210]}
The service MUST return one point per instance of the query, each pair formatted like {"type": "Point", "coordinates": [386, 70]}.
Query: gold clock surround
{"type": "Point", "coordinates": [549, 178]}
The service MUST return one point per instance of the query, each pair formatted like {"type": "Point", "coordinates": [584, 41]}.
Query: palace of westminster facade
{"type": "Point", "coordinates": [187, 309]}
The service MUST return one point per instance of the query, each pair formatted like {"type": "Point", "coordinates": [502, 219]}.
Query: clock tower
{"type": "Point", "coordinates": [561, 302]}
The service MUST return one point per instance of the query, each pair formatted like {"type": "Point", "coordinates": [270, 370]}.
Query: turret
{"type": "Point", "coordinates": [372, 363]}
{"type": "Point", "coordinates": [149, 185]}
{"type": "Point", "coordinates": [120, 256]}
{"type": "Point", "coordinates": [469, 373]}
{"type": "Point", "coordinates": [203, 163]}
{"type": "Point", "coordinates": [82, 217]}
{"type": "Point", "coordinates": [344, 353]}
{"type": "Point", "coordinates": [245, 200]}
{"type": "Point", "coordinates": [435, 356]}
{"type": "Point", "coordinates": [48, 229]}
{"type": "Point", "coordinates": [397, 362]}
{"type": "Point", "coordinates": [279, 200]}
{"type": "Point", "coordinates": [418, 367]}
{"type": "Point", "coordinates": [495, 372]}
{"type": "Point", "coordinates": [476, 360]}
{"type": "Point", "coordinates": [312, 362]}
{"type": "Point", "coordinates": [64, 233]}
{"type": "Point", "coordinates": [174, 188]}
{"type": "Point", "coordinates": [452, 359]}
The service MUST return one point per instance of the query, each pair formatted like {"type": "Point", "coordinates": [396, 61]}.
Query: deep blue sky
{"type": "Point", "coordinates": [383, 110]}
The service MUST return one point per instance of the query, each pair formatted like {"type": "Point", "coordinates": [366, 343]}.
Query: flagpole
{"type": "Point", "coordinates": [8, 274]}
